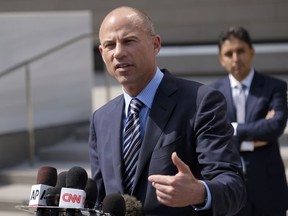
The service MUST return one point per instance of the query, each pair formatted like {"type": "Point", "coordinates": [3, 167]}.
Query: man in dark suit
{"type": "Point", "coordinates": [256, 136]}
{"type": "Point", "coordinates": [186, 164]}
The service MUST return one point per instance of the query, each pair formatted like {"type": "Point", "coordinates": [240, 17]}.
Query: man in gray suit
{"type": "Point", "coordinates": [264, 117]}
{"type": "Point", "coordinates": [183, 162]}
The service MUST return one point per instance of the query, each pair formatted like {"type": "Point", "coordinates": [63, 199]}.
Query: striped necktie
{"type": "Point", "coordinates": [132, 143]}
{"type": "Point", "coordinates": [240, 103]}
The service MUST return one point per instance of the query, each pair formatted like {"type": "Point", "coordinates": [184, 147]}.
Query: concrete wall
{"type": "Point", "coordinates": [183, 21]}
{"type": "Point", "coordinates": [60, 82]}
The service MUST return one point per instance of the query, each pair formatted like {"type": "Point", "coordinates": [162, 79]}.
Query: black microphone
{"type": "Point", "coordinates": [46, 178]}
{"type": "Point", "coordinates": [73, 196]}
{"type": "Point", "coordinates": [114, 204]}
{"type": "Point", "coordinates": [133, 206]}
{"type": "Point", "coordinates": [91, 194]}
{"type": "Point", "coordinates": [52, 195]}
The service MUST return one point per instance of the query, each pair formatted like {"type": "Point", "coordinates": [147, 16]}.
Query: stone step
{"type": "Point", "coordinates": [82, 132]}
{"type": "Point", "coordinates": [16, 213]}
{"type": "Point", "coordinates": [64, 155]}
{"type": "Point", "coordinates": [27, 174]}
{"type": "Point", "coordinates": [67, 150]}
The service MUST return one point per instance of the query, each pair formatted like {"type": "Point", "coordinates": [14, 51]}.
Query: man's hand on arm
{"type": "Point", "coordinates": [251, 145]}
{"type": "Point", "coordinates": [180, 190]}
{"type": "Point", "coordinates": [270, 114]}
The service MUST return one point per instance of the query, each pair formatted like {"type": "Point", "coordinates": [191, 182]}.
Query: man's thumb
{"type": "Point", "coordinates": [181, 166]}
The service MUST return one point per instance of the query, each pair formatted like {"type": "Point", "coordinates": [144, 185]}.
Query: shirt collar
{"type": "Point", "coordinates": [148, 93]}
{"type": "Point", "coordinates": [247, 81]}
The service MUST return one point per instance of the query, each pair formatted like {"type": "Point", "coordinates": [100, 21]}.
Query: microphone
{"type": "Point", "coordinates": [133, 206]}
{"type": "Point", "coordinates": [73, 196]}
{"type": "Point", "coordinates": [91, 194]}
{"type": "Point", "coordinates": [46, 178]}
{"type": "Point", "coordinates": [52, 194]}
{"type": "Point", "coordinates": [114, 204]}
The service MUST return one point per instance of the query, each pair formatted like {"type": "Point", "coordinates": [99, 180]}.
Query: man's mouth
{"type": "Point", "coordinates": [122, 66]}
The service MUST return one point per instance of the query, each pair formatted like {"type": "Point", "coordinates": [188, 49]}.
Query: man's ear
{"type": "Point", "coordinates": [157, 44]}
{"type": "Point", "coordinates": [101, 52]}
{"type": "Point", "coordinates": [221, 60]}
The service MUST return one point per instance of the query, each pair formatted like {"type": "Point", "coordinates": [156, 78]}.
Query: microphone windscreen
{"type": "Point", "coordinates": [91, 193]}
{"type": "Point", "coordinates": [52, 196]}
{"type": "Point", "coordinates": [133, 206]}
{"type": "Point", "coordinates": [76, 178]}
{"type": "Point", "coordinates": [47, 175]}
{"type": "Point", "coordinates": [61, 179]}
{"type": "Point", "coordinates": [114, 204]}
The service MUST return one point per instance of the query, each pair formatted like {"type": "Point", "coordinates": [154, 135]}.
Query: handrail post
{"type": "Point", "coordinates": [108, 86]}
{"type": "Point", "coordinates": [30, 121]}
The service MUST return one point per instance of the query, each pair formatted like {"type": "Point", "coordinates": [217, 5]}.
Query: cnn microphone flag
{"type": "Point", "coordinates": [72, 198]}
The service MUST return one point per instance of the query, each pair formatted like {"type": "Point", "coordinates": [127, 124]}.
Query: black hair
{"type": "Point", "coordinates": [234, 32]}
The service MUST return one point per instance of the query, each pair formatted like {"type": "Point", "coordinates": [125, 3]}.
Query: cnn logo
{"type": "Point", "coordinates": [74, 198]}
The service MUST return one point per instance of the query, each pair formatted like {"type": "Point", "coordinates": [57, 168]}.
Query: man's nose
{"type": "Point", "coordinates": [235, 56]}
{"type": "Point", "coordinates": [119, 50]}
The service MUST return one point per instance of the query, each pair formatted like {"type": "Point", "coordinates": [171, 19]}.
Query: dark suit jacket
{"type": "Point", "coordinates": [186, 117]}
{"type": "Point", "coordinates": [267, 185]}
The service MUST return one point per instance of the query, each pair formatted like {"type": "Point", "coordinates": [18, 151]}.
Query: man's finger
{"type": "Point", "coordinates": [161, 179]}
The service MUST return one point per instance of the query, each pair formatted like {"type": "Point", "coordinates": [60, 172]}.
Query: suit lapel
{"type": "Point", "coordinates": [116, 139]}
{"type": "Point", "coordinates": [159, 115]}
{"type": "Point", "coordinates": [254, 92]}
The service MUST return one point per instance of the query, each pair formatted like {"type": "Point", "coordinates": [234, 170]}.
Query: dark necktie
{"type": "Point", "coordinates": [240, 103]}
{"type": "Point", "coordinates": [132, 143]}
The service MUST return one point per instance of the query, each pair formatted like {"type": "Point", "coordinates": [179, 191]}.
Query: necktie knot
{"type": "Point", "coordinates": [241, 87]}
{"type": "Point", "coordinates": [135, 106]}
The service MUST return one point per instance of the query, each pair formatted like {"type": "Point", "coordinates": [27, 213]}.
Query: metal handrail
{"type": "Point", "coordinates": [46, 53]}
{"type": "Point", "coordinates": [29, 102]}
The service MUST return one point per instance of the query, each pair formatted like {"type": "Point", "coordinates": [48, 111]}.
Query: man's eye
{"type": "Point", "coordinates": [240, 51]}
{"type": "Point", "coordinates": [129, 41]}
{"type": "Point", "coordinates": [228, 54]}
{"type": "Point", "coordinates": [109, 46]}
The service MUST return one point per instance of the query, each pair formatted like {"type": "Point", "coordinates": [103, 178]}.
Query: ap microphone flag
{"type": "Point", "coordinates": [46, 178]}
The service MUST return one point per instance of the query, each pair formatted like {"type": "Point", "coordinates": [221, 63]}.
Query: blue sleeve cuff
{"type": "Point", "coordinates": [208, 199]}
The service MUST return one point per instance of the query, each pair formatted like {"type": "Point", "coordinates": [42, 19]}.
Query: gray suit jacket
{"type": "Point", "coordinates": [186, 117]}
